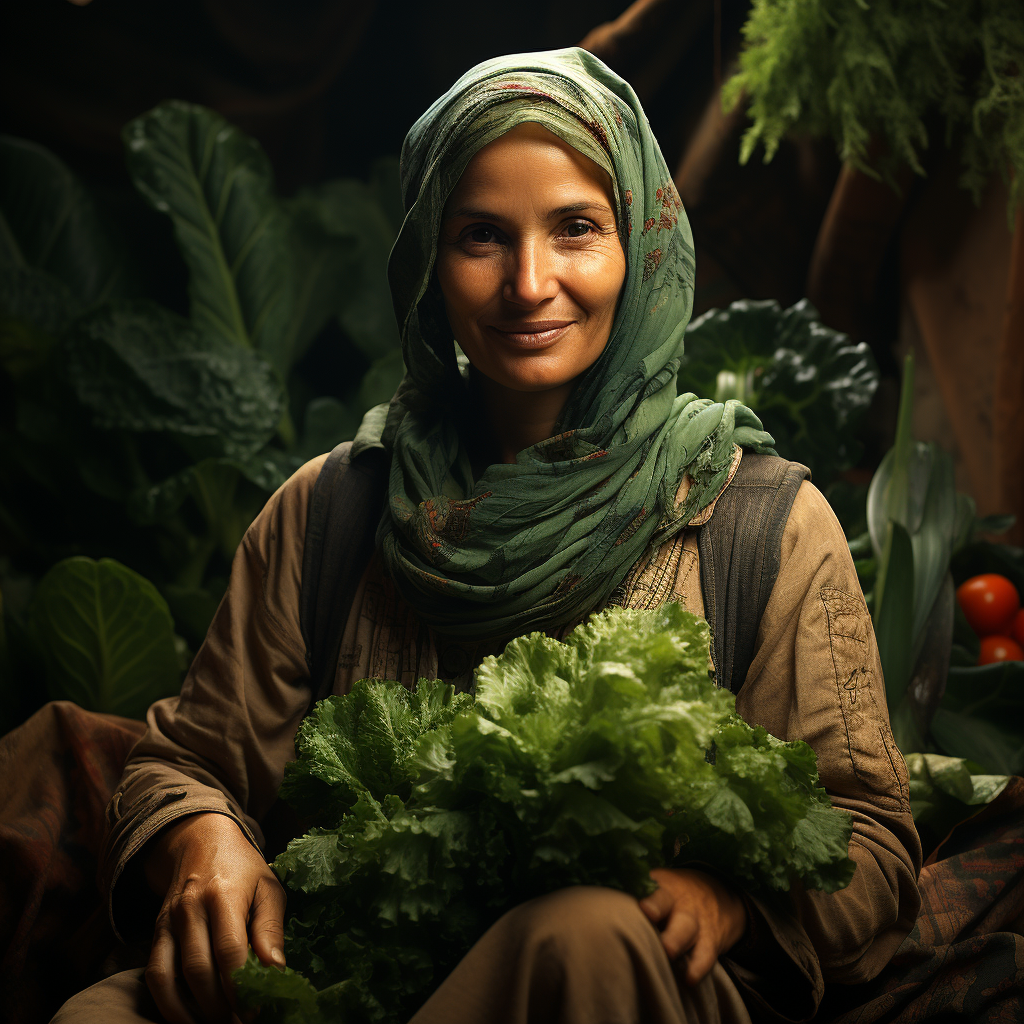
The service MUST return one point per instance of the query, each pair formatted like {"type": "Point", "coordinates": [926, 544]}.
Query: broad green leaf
{"type": "Point", "coordinates": [904, 486]}
{"type": "Point", "coordinates": [219, 491]}
{"type": "Point", "coordinates": [214, 182]}
{"type": "Point", "coordinates": [328, 423]}
{"type": "Point", "coordinates": [193, 609]}
{"type": "Point", "coordinates": [140, 368]}
{"type": "Point", "coordinates": [998, 749]}
{"type": "Point", "coordinates": [326, 247]}
{"type": "Point", "coordinates": [810, 385]}
{"type": "Point", "coordinates": [928, 682]}
{"type": "Point", "coordinates": [933, 540]}
{"type": "Point", "coordinates": [982, 715]}
{"type": "Point", "coordinates": [107, 636]}
{"type": "Point", "coordinates": [49, 222]}
{"type": "Point", "coordinates": [32, 298]}
{"type": "Point", "coordinates": [945, 791]}
{"type": "Point", "coordinates": [894, 612]}
{"type": "Point", "coordinates": [983, 556]}
{"type": "Point", "coordinates": [346, 208]}
{"type": "Point", "coordinates": [381, 380]}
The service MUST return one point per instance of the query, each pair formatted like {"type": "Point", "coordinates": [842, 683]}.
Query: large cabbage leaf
{"type": "Point", "coordinates": [809, 384]}
{"type": "Point", "coordinates": [588, 762]}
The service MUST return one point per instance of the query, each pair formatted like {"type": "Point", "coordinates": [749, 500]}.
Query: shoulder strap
{"type": "Point", "coordinates": [340, 533]}
{"type": "Point", "coordinates": [740, 548]}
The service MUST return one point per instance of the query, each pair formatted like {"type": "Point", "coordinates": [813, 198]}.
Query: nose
{"type": "Point", "coordinates": [531, 274]}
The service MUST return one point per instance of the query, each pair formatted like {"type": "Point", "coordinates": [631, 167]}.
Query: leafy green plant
{"type": "Point", "coordinates": [944, 789]}
{"type": "Point", "coordinates": [132, 431]}
{"type": "Point", "coordinates": [809, 384]}
{"type": "Point", "coordinates": [888, 71]}
{"type": "Point", "coordinates": [107, 637]}
{"type": "Point", "coordinates": [959, 727]}
{"type": "Point", "coordinates": [981, 716]}
{"type": "Point", "coordinates": [584, 762]}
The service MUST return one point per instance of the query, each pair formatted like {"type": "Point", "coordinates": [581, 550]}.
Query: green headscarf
{"type": "Point", "coordinates": [541, 542]}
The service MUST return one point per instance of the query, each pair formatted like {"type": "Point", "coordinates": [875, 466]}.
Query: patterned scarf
{"type": "Point", "coordinates": [541, 542]}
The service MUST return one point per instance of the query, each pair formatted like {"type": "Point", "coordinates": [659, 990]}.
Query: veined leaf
{"type": "Point", "coordinates": [894, 612]}
{"type": "Point", "coordinates": [107, 636]}
{"type": "Point", "coordinates": [215, 184]}
{"type": "Point", "coordinates": [48, 221]}
{"type": "Point", "coordinates": [34, 309]}
{"type": "Point", "coordinates": [933, 540]}
{"type": "Point", "coordinates": [140, 368]}
{"type": "Point", "coordinates": [351, 209]}
{"type": "Point", "coordinates": [982, 715]}
{"type": "Point", "coordinates": [807, 383]}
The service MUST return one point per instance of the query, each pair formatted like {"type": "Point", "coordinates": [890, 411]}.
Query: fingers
{"type": "Point", "coordinates": [701, 957]}
{"type": "Point", "coordinates": [658, 905]}
{"type": "Point", "coordinates": [680, 933]}
{"type": "Point", "coordinates": [266, 924]}
{"type": "Point", "coordinates": [198, 967]}
{"type": "Point", "coordinates": [161, 976]}
{"type": "Point", "coordinates": [227, 937]}
{"type": "Point", "coordinates": [195, 935]}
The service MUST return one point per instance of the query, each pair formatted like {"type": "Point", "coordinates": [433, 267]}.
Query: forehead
{"type": "Point", "coordinates": [530, 158]}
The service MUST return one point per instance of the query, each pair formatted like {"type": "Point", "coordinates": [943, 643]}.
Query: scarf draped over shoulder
{"type": "Point", "coordinates": [542, 541]}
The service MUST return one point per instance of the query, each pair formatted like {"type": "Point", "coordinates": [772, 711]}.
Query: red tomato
{"type": "Point", "coordinates": [999, 648]}
{"type": "Point", "coordinates": [1017, 629]}
{"type": "Point", "coordinates": [990, 602]}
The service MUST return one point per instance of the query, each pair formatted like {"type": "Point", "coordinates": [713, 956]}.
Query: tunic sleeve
{"type": "Point", "coordinates": [816, 676]}
{"type": "Point", "coordinates": [221, 746]}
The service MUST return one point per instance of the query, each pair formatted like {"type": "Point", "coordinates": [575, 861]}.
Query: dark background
{"type": "Point", "coordinates": [327, 86]}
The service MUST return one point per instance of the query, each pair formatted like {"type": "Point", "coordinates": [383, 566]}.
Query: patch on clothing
{"type": "Point", "coordinates": [873, 755]}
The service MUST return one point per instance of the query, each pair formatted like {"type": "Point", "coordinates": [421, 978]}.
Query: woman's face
{"type": "Point", "coordinates": [529, 260]}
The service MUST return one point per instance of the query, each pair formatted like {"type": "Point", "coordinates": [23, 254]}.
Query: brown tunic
{"type": "Point", "coordinates": [222, 745]}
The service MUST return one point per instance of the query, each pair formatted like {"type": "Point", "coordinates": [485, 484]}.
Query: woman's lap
{"type": "Point", "coordinates": [577, 956]}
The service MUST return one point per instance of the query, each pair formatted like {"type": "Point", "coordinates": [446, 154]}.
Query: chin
{"type": "Point", "coordinates": [529, 378]}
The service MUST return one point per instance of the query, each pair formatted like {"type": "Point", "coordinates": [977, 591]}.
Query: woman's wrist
{"type": "Point", "coordinates": [165, 850]}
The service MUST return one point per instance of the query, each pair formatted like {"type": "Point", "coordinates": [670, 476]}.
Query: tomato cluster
{"type": "Point", "coordinates": [991, 605]}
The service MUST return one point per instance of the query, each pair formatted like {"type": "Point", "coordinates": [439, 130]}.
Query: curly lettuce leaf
{"type": "Point", "coordinates": [587, 762]}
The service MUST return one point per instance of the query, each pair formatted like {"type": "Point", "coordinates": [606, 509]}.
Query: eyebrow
{"type": "Point", "coordinates": [464, 211]}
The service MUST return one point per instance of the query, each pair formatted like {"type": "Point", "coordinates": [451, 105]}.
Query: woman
{"type": "Point", "coordinates": [556, 472]}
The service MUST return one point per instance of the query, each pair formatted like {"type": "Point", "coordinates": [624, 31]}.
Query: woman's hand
{"type": "Point", "coordinates": [219, 898]}
{"type": "Point", "coordinates": [699, 916]}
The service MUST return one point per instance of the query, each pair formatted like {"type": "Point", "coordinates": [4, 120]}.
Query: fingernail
{"type": "Point", "coordinates": [277, 956]}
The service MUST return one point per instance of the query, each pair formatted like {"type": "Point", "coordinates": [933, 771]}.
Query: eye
{"type": "Point", "coordinates": [579, 229]}
{"type": "Point", "coordinates": [482, 235]}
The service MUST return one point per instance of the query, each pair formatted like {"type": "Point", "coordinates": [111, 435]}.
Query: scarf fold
{"type": "Point", "coordinates": [541, 542]}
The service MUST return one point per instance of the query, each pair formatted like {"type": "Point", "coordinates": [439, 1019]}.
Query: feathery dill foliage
{"type": "Point", "coordinates": [855, 69]}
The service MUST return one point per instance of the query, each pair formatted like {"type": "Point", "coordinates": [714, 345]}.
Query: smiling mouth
{"type": "Point", "coordinates": [533, 334]}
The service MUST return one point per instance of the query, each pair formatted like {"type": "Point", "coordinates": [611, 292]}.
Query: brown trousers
{"type": "Point", "coordinates": [578, 956]}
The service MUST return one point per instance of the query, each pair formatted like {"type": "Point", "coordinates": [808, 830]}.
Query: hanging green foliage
{"type": "Point", "coordinates": [890, 71]}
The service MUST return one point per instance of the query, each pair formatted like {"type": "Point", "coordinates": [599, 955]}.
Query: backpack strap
{"type": "Point", "coordinates": [341, 531]}
{"type": "Point", "coordinates": [740, 549]}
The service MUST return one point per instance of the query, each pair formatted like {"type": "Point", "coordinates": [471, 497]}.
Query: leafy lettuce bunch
{"type": "Point", "coordinates": [587, 762]}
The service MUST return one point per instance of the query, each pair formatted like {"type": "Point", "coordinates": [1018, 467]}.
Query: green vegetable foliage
{"type": "Point", "coordinates": [131, 431]}
{"type": "Point", "coordinates": [107, 636]}
{"type": "Point", "coordinates": [945, 790]}
{"type": "Point", "coordinates": [584, 762]}
{"type": "Point", "coordinates": [891, 72]}
{"type": "Point", "coordinates": [809, 384]}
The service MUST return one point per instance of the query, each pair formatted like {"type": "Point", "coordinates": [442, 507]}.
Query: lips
{"type": "Point", "coordinates": [532, 333]}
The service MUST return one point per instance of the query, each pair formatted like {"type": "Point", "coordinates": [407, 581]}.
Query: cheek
{"type": "Point", "coordinates": [468, 286]}
{"type": "Point", "coordinates": [600, 284]}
